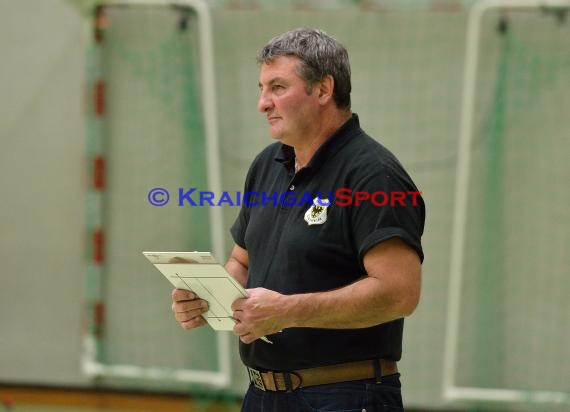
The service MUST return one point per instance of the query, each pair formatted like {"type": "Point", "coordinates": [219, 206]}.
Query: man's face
{"type": "Point", "coordinates": [290, 110]}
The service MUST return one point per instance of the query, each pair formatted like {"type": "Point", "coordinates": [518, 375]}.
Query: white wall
{"type": "Point", "coordinates": [41, 208]}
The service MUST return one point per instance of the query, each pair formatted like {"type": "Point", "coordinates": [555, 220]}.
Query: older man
{"type": "Point", "coordinates": [330, 276]}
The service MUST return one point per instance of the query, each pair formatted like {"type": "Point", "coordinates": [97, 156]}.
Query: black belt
{"type": "Point", "coordinates": [322, 375]}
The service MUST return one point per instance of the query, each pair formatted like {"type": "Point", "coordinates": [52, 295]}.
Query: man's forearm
{"type": "Point", "coordinates": [237, 270]}
{"type": "Point", "coordinates": [362, 304]}
{"type": "Point", "coordinates": [238, 264]}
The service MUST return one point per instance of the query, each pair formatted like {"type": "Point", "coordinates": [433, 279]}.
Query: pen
{"type": "Point", "coordinates": [264, 338]}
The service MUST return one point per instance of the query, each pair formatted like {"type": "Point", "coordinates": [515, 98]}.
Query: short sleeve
{"type": "Point", "coordinates": [239, 227]}
{"type": "Point", "coordinates": [395, 209]}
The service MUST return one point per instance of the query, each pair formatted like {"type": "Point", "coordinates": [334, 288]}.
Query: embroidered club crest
{"type": "Point", "coordinates": [317, 213]}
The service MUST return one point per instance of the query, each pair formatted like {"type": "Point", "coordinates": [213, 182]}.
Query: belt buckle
{"type": "Point", "coordinates": [255, 378]}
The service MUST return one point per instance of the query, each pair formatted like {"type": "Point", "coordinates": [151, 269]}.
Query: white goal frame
{"type": "Point", "coordinates": [451, 391]}
{"type": "Point", "coordinates": [222, 377]}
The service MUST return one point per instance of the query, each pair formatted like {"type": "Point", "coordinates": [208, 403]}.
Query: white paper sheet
{"type": "Point", "coordinates": [200, 273]}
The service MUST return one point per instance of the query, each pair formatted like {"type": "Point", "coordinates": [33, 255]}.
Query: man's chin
{"type": "Point", "coordinates": [275, 134]}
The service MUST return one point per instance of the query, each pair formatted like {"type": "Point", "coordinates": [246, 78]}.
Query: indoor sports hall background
{"type": "Point", "coordinates": [99, 105]}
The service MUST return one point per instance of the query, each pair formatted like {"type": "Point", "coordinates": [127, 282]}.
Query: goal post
{"type": "Point", "coordinates": [452, 389]}
{"type": "Point", "coordinates": [93, 360]}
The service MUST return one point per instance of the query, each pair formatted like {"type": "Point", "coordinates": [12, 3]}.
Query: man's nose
{"type": "Point", "coordinates": [264, 103]}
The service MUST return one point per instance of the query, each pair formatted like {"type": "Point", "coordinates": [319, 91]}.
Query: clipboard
{"type": "Point", "coordinates": [203, 275]}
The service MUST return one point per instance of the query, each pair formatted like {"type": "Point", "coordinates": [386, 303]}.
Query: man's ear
{"type": "Point", "coordinates": [326, 89]}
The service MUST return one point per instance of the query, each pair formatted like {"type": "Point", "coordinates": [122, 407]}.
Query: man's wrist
{"type": "Point", "coordinates": [295, 310]}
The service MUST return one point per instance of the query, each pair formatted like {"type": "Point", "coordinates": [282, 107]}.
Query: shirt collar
{"type": "Point", "coordinates": [286, 153]}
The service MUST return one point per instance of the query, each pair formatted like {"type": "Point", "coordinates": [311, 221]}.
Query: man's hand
{"type": "Point", "coordinates": [262, 313]}
{"type": "Point", "coordinates": [188, 308]}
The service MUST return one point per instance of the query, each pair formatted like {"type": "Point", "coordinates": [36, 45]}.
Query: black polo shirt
{"type": "Point", "coordinates": [296, 245]}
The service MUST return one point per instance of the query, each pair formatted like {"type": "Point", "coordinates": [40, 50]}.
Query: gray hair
{"type": "Point", "coordinates": [320, 55]}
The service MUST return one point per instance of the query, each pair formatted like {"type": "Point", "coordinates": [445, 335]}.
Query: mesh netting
{"type": "Point", "coordinates": [516, 284]}
{"type": "Point", "coordinates": [153, 137]}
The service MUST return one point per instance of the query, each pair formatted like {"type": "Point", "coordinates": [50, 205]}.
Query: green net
{"type": "Point", "coordinates": [153, 136]}
{"type": "Point", "coordinates": [516, 284]}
